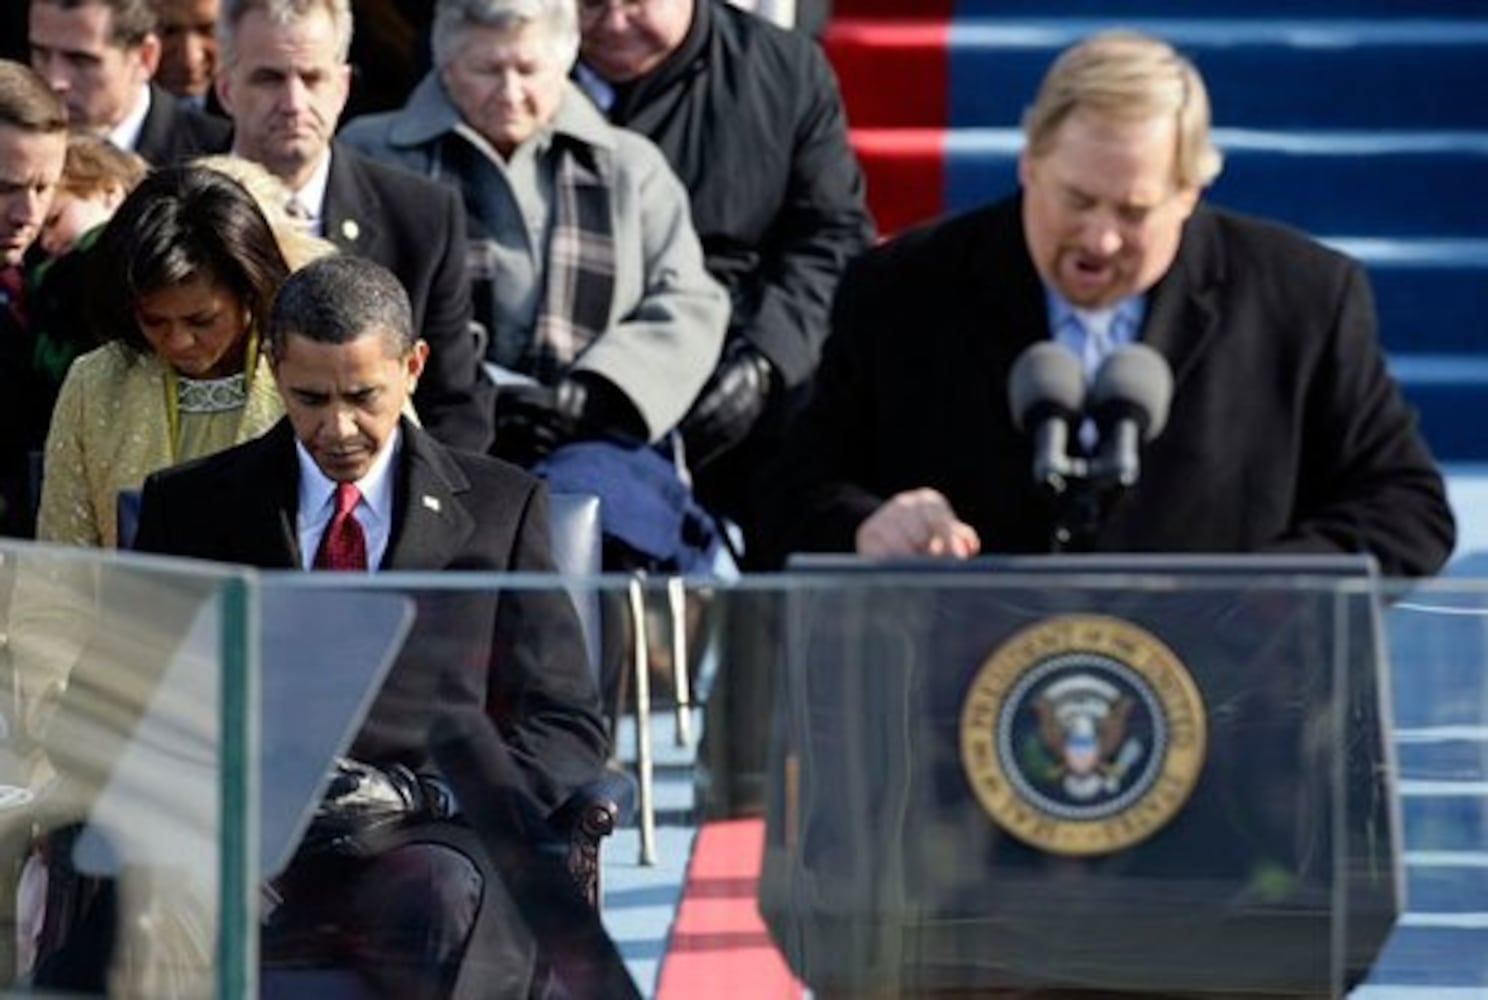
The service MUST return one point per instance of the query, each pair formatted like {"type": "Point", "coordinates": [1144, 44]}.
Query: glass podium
{"type": "Point", "coordinates": [1159, 777]}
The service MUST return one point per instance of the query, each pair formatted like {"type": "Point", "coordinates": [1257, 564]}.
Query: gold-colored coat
{"type": "Point", "coordinates": [111, 429]}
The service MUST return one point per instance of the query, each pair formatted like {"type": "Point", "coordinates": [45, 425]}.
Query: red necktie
{"type": "Point", "coordinates": [343, 546]}
{"type": "Point", "coordinates": [12, 294]}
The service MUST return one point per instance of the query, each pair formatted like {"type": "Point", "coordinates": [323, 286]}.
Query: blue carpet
{"type": "Point", "coordinates": [1261, 73]}
{"type": "Point", "coordinates": [1328, 183]}
{"type": "Point", "coordinates": [1199, 11]}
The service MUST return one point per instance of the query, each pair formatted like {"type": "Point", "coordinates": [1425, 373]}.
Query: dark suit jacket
{"type": "Point", "coordinates": [174, 132]}
{"type": "Point", "coordinates": [777, 200]}
{"type": "Point", "coordinates": [415, 228]}
{"type": "Point", "coordinates": [23, 425]}
{"type": "Point", "coordinates": [519, 655]}
{"type": "Point", "coordinates": [1286, 432]}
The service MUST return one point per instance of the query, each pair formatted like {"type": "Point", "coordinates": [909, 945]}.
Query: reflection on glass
{"type": "Point", "coordinates": [960, 781]}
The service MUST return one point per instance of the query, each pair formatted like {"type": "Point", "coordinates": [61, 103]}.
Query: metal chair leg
{"type": "Point", "coordinates": [677, 603]}
{"type": "Point", "coordinates": [644, 761]}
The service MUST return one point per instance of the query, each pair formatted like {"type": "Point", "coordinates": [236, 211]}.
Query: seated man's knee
{"type": "Point", "coordinates": [425, 898]}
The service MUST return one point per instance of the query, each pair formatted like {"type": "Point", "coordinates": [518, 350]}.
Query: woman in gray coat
{"type": "Point", "coordinates": [602, 321]}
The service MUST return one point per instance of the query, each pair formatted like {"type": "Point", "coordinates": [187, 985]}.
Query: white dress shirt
{"type": "Point", "coordinates": [311, 196]}
{"type": "Point", "coordinates": [126, 134]}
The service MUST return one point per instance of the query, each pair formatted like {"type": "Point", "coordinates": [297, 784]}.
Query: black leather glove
{"type": "Point", "coordinates": [362, 798]}
{"type": "Point", "coordinates": [533, 420]}
{"type": "Point", "coordinates": [730, 403]}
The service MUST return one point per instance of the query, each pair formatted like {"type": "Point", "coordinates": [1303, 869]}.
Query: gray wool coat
{"type": "Point", "coordinates": [668, 316]}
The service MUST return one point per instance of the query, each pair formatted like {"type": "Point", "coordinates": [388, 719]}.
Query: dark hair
{"type": "Point", "coordinates": [27, 103]}
{"type": "Point", "coordinates": [132, 20]}
{"type": "Point", "coordinates": [336, 299]}
{"type": "Point", "coordinates": [182, 223]}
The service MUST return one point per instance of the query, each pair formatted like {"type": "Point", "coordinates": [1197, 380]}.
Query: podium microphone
{"type": "Point", "coordinates": [1046, 391]}
{"type": "Point", "coordinates": [1129, 400]}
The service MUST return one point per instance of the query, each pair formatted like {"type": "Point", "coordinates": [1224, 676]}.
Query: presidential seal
{"type": "Point", "coordinates": [1082, 735]}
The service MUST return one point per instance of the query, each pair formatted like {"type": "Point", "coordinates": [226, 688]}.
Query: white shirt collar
{"type": "Point", "coordinates": [311, 196]}
{"type": "Point", "coordinates": [126, 134]}
{"type": "Point", "coordinates": [375, 510]}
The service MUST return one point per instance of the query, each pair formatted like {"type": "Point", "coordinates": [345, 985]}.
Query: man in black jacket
{"type": "Point", "coordinates": [285, 82]}
{"type": "Point", "coordinates": [345, 482]}
{"type": "Point", "coordinates": [33, 148]}
{"type": "Point", "coordinates": [99, 56]}
{"type": "Point", "coordinates": [1285, 433]}
{"type": "Point", "coordinates": [188, 49]}
{"type": "Point", "coordinates": [750, 118]}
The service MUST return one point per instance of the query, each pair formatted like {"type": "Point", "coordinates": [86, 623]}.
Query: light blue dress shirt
{"type": "Point", "coordinates": [374, 511]}
{"type": "Point", "coordinates": [1072, 328]}
{"type": "Point", "coordinates": [1092, 335]}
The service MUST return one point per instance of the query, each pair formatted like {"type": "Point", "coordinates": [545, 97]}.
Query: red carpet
{"type": "Point", "coordinates": [940, 10]}
{"type": "Point", "coordinates": [891, 59]}
{"type": "Point", "coordinates": [905, 168]}
{"type": "Point", "coordinates": [892, 71]}
{"type": "Point", "coordinates": [719, 946]}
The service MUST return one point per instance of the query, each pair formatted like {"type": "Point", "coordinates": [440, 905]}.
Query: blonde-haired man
{"type": "Point", "coordinates": [1285, 432]}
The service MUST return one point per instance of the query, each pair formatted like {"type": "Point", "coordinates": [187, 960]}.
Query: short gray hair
{"type": "Point", "coordinates": [558, 18]}
{"type": "Point", "coordinates": [282, 12]}
{"type": "Point", "coordinates": [337, 299]}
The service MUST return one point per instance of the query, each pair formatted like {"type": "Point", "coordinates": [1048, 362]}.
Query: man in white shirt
{"type": "Point", "coordinates": [284, 81]}
{"type": "Point", "coordinates": [99, 56]}
{"type": "Point", "coordinates": [345, 483]}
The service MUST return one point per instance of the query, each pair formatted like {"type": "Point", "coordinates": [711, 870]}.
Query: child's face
{"type": "Point", "coordinates": [71, 216]}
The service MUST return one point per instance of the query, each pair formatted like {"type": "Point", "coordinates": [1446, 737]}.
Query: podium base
{"type": "Point", "coordinates": [1078, 941]}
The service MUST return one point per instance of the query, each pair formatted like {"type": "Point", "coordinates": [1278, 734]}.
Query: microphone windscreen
{"type": "Point", "coordinates": [1046, 376]}
{"type": "Point", "coordinates": [1136, 377]}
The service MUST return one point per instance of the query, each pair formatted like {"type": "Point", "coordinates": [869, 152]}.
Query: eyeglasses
{"type": "Point", "coordinates": [593, 10]}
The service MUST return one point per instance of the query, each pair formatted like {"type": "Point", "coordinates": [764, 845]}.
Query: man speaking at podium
{"type": "Point", "coordinates": [1283, 430]}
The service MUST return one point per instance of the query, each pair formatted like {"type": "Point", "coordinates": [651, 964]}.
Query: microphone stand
{"type": "Point", "coordinates": [1081, 498]}
{"type": "Point", "coordinates": [1078, 513]}
{"type": "Point", "coordinates": [1129, 401]}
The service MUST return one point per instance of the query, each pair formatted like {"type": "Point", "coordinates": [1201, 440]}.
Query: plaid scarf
{"type": "Point", "coordinates": [580, 279]}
